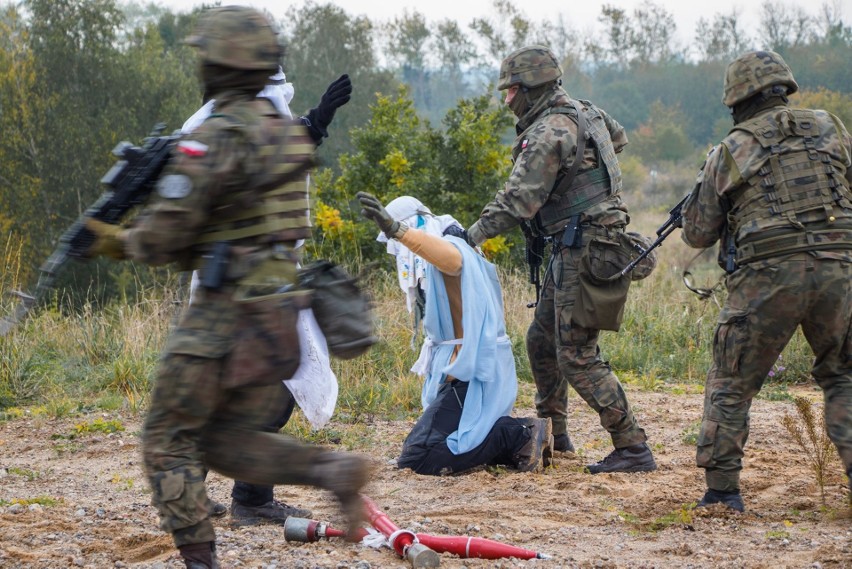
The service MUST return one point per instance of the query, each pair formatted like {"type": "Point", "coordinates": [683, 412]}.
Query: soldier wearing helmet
{"type": "Point", "coordinates": [775, 194]}
{"type": "Point", "coordinates": [232, 202]}
{"type": "Point", "coordinates": [565, 189]}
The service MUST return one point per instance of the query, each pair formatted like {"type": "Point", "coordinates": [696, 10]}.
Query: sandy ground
{"type": "Point", "coordinates": [102, 517]}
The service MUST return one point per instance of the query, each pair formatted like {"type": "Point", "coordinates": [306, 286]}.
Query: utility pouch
{"type": "Point", "coordinates": [573, 235]}
{"type": "Point", "coordinates": [342, 309]}
{"type": "Point", "coordinates": [636, 244]}
{"type": "Point", "coordinates": [215, 266]}
{"type": "Point", "coordinates": [601, 294]}
{"type": "Point", "coordinates": [266, 346]}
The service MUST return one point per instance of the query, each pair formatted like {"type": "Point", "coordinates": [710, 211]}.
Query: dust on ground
{"type": "Point", "coordinates": [102, 516]}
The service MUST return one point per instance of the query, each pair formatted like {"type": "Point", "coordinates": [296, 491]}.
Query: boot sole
{"type": "Point", "coordinates": [632, 469]}
{"type": "Point", "coordinates": [245, 522]}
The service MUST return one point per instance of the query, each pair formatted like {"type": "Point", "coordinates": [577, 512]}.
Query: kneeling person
{"type": "Point", "coordinates": [470, 383]}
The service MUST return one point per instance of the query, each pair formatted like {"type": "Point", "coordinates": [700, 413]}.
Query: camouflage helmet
{"type": "Point", "coordinates": [237, 36]}
{"type": "Point", "coordinates": [753, 72]}
{"type": "Point", "coordinates": [530, 66]}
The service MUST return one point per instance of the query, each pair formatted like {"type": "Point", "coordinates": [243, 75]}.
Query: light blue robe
{"type": "Point", "coordinates": [485, 359]}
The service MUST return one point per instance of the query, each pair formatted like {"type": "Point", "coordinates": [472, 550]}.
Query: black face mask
{"type": "Point", "coordinates": [218, 79]}
{"type": "Point", "coordinates": [774, 97]}
{"type": "Point", "coordinates": [519, 104]}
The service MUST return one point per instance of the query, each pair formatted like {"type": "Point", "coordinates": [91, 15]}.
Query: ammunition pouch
{"type": "Point", "coordinates": [775, 245]}
{"type": "Point", "coordinates": [342, 309]}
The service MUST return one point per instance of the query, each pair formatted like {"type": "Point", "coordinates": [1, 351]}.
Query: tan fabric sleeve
{"type": "Point", "coordinates": [437, 251]}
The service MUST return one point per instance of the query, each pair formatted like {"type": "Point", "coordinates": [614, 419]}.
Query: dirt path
{"type": "Point", "coordinates": [102, 517]}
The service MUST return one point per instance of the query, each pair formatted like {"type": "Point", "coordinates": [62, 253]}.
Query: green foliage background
{"type": "Point", "coordinates": [78, 76]}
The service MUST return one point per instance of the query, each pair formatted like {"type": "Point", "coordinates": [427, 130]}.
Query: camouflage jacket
{"type": "Point", "coordinates": [721, 183]}
{"type": "Point", "coordinates": [238, 177]}
{"type": "Point", "coordinates": [547, 145]}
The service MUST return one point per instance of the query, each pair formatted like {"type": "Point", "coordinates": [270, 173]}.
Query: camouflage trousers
{"type": "Point", "coordinates": [563, 353]}
{"type": "Point", "coordinates": [763, 310]}
{"type": "Point", "coordinates": [210, 409]}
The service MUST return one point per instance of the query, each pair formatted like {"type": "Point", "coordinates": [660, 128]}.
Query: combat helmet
{"type": "Point", "coordinates": [530, 66]}
{"type": "Point", "coordinates": [753, 72]}
{"type": "Point", "coordinates": [238, 37]}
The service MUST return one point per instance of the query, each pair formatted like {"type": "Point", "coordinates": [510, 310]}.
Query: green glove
{"type": "Point", "coordinates": [108, 241]}
{"type": "Point", "coordinates": [372, 209]}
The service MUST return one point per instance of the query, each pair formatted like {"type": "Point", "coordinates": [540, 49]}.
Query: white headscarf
{"type": "Point", "coordinates": [277, 90]}
{"type": "Point", "coordinates": [410, 268]}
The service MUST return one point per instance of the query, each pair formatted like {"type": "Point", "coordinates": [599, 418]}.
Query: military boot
{"type": "Point", "coordinates": [562, 443]}
{"type": "Point", "coordinates": [272, 512]}
{"type": "Point", "coordinates": [636, 458]}
{"type": "Point", "coordinates": [537, 453]}
{"type": "Point", "coordinates": [344, 474]}
{"type": "Point", "coordinates": [218, 509]}
{"type": "Point", "coordinates": [732, 499]}
{"type": "Point", "coordinates": [199, 555]}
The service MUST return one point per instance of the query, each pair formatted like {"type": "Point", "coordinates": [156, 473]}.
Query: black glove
{"type": "Point", "coordinates": [372, 209]}
{"type": "Point", "coordinates": [337, 95]}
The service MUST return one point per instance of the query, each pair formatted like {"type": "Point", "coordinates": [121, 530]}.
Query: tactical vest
{"type": "Point", "coordinates": [796, 196]}
{"type": "Point", "coordinates": [270, 212]}
{"type": "Point", "coordinates": [573, 194]}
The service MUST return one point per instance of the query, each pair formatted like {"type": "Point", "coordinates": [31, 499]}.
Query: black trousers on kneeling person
{"type": "Point", "coordinates": [425, 450]}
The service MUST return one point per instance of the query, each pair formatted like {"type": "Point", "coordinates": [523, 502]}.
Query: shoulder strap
{"type": "Point", "coordinates": [571, 173]}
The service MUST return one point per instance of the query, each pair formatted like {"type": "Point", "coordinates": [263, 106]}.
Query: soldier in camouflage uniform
{"type": "Point", "coordinates": [252, 503]}
{"type": "Point", "coordinates": [234, 192]}
{"type": "Point", "coordinates": [570, 202]}
{"type": "Point", "coordinates": [775, 193]}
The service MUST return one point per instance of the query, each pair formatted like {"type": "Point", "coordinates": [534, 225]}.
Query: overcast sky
{"type": "Point", "coordinates": [583, 15]}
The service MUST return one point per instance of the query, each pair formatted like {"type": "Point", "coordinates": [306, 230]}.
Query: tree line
{"type": "Point", "coordinates": [78, 76]}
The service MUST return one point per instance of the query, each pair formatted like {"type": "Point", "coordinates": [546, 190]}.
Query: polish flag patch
{"type": "Point", "coordinates": [192, 148]}
{"type": "Point", "coordinates": [524, 143]}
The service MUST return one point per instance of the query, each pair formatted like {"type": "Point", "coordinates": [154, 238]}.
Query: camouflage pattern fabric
{"type": "Point", "coordinates": [764, 308]}
{"type": "Point", "coordinates": [238, 37]}
{"type": "Point", "coordinates": [196, 422]}
{"type": "Point", "coordinates": [210, 171]}
{"type": "Point", "coordinates": [560, 352]}
{"type": "Point", "coordinates": [545, 146]}
{"type": "Point", "coordinates": [218, 381]}
{"type": "Point", "coordinates": [563, 353]}
{"type": "Point", "coordinates": [814, 189]}
{"type": "Point", "coordinates": [754, 72]}
{"type": "Point", "coordinates": [767, 300]}
{"type": "Point", "coordinates": [729, 169]}
{"type": "Point", "coordinates": [530, 67]}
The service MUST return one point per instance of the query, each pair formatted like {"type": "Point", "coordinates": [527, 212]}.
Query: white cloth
{"type": "Point", "coordinates": [411, 269]}
{"type": "Point", "coordinates": [314, 385]}
{"type": "Point", "coordinates": [278, 91]}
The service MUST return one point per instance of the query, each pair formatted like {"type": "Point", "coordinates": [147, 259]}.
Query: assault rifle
{"type": "Point", "coordinates": [130, 182]}
{"type": "Point", "coordinates": [534, 256]}
{"type": "Point", "coordinates": [674, 221]}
